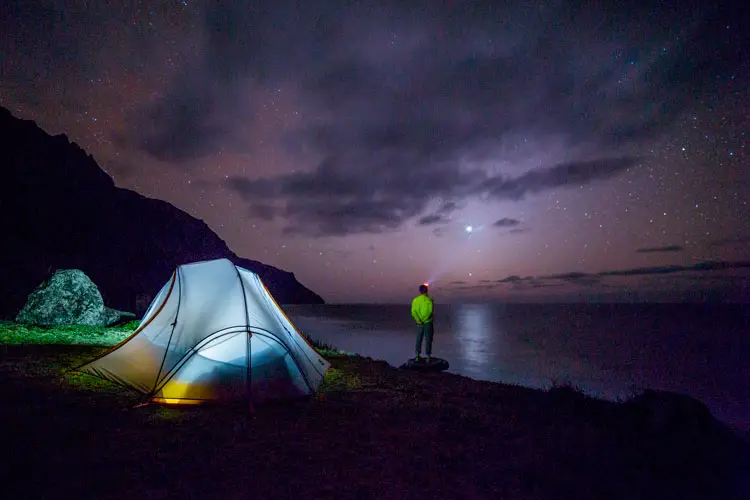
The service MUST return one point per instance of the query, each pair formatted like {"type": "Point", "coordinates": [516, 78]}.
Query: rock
{"type": "Point", "coordinates": [113, 316]}
{"type": "Point", "coordinates": [69, 297]}
{"type": "Point", "coordinates": [669, 410]}
{"type": "Point", "coordinates": [435, 365]}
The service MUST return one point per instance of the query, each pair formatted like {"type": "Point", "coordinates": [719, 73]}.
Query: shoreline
{"type": "Point", "coordinates": [488, 439]}
{"type": "Point", "coordinates": [372, 431]}
{"type": "Point", "coordinates": [12, 333]}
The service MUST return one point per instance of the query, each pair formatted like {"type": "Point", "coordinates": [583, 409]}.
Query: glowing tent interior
{"type": "Point", "coordinates": [213, 333]}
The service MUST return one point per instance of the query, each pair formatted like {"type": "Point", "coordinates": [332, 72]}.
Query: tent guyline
{"type": "Point", "coordinates": [218, 335]}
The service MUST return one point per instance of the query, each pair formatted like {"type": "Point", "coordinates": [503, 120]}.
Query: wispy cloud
{"type": "Point", "coordinates": [665, 249]}
{"type": "Point", "coordinates": [731, 241]}
{"type": "Point", "coordinates": [599, 279]}
{"type": "Point", "coordinates": [506, 222]}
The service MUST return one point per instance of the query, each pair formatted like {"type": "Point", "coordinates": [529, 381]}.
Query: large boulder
{"type": "Point", "coordinates": [69, 297]}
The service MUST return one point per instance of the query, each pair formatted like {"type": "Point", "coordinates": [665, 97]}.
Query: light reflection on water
{"type": "Point", "coordinates": [607, 350]}
{"type": "Point", "coordinates": [476, 333]}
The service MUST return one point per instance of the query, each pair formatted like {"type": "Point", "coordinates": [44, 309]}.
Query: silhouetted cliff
{"type": "Point", "coordinates": [59, 209]}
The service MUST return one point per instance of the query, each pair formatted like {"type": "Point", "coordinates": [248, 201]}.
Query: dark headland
{"type": "Point", "coordinates": [59, 209]}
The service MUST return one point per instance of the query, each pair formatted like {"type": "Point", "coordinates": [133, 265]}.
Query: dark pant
{"type": "Point", "coordinates": [425, 331]}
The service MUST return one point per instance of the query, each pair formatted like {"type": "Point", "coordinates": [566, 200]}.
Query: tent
{"type": "Point", "coordinates": [213, 333]}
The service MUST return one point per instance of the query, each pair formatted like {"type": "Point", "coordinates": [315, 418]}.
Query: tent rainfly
{"type": "Point", "coordinates": [213, 333]}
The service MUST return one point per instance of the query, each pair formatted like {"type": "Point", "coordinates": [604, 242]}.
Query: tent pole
{"type": "Point", "coordinates": [248, 361]}
{"type": "Point", "coordinates": [249, 370]}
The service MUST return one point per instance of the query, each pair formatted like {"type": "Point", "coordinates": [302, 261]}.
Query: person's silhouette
{"type": "Point", "coordinates": [421, 311]}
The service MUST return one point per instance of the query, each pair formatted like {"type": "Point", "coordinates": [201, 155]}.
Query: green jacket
{"type": "Point", "coordinates": [421, 309]}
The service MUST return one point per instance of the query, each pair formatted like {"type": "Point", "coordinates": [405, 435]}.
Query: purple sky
{"type": "Point", "coordinates": [354, 145]}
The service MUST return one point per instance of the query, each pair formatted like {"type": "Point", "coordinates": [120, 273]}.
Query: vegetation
{"type": "Point", "coordinates": [17, 333]}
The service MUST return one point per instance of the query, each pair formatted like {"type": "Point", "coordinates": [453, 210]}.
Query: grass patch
{"type": "Point", "coordinates": [86, 382]}
{"type": "Point", "coordinates": [17, 333]}
{"type": "Point", "coordinates": [339, 381]}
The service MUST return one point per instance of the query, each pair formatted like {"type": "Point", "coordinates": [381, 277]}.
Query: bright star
{"type": "Point", "coordinates": [469, 229]}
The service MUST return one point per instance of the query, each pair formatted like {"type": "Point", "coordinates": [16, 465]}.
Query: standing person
{"type": "Point", "coordinates": [421, 311]}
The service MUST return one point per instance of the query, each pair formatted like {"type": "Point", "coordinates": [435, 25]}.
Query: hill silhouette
{"type": "Point", "coordinates": [59, 210]}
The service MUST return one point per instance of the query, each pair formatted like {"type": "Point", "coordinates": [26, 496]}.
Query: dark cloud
{"type": "Point", "coordinates": [576, 278]}
{"type": "Point", "coordinates": [335, 201]}
{"type": "Point", "coordinates": [731, 241]}
{"type": "Point", "coordinates": [667, 249]}
{"type": "Point", "coordinates": [701, 266]}
{"type": "Point", "coordinates": [590, 278]}
{"type": "Point", "coordinates": [401, 103]}
{"type": "Point", "coordinates": [441, 215]}
{"type": "Point", "coordinates": [181, 126]}
{"type": "Point", "coordinates": [519, 230]}
{"type": "Point", "coordinates": [433, 219]}
{"type": "Point", "coordinates": [406, 101]}
{"type": "Point", "coordinates": [512, 279]}
{"type": "Point", "coordinates": [506, 222]}
{"type": "Point", "coordinates": [566, 174]}
{"type": "Point", "coordinates": [600, 279]}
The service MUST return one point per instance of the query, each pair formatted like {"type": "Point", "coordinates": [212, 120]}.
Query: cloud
{"type": "Point", "coordinates": [589, 278]}
{"type": "Point", "coordinates": [333, 200]}
{"type": "Point", "coordinates": [441, 215]}
{"type": "Point", "coordinates": [565, 174]}
{"type": "Point", "coordinates": [576, 278]}
{"type": "Point", "coordinates": [506, 222]}
{"type": "Point", "coordinates": [599, 280]}
{"type": "Point", "coordinates": [701, 266]}
{"type": "Point", "coordinates": [667, 249]}
{"type": "Point", "coordinates": [406, 103]}
{"type": "Point", "coordinates": [731, 241]}
{"type": "Point", "coordinates": [519, 230]}
{"type": "Point", "coordinates": [433, 219]}
{"type": "Point", "coordinates": [512, 279]}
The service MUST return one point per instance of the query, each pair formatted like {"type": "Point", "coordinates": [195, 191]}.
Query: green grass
{"type": "Point", "coordinates": [336, 380]}
{"type": "Point", "coordinates": [16, 333]}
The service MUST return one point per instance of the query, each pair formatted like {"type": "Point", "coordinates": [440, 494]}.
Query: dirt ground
{"type": "Point", "coordinates": [372, 432]}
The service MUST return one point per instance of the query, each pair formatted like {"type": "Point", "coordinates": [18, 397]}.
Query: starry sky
{"type": "Point", "coordinates": [597, 151]}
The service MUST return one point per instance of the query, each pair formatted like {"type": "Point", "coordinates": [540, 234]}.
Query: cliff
{"type": "Point", "coordinates": [59, 209]}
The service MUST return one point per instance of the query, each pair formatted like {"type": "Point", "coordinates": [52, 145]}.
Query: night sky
{"type": "Point", "coordinates": [598, 151]}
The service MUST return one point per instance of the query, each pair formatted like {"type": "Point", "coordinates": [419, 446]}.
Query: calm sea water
{"type": "Point", "coordinates": [608, 350]}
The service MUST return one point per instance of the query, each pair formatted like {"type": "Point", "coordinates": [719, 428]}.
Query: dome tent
{"type": "Point", "coordinates": [213, 333]}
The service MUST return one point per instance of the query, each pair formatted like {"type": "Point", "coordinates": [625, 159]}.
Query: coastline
{"type": "Point", "coordinates": [372, 431]}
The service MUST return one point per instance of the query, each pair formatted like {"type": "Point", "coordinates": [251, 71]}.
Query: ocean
{"type": "Point", "coordinates": [611, 351]}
